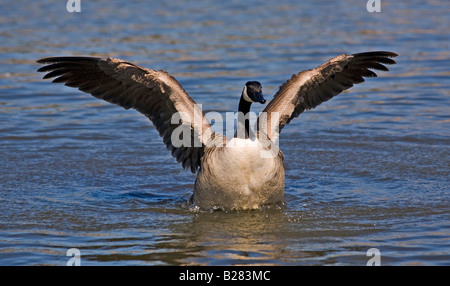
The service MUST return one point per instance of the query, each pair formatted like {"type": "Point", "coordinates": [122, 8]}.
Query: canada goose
{"type": "Point", "coordinates": [228, 178]}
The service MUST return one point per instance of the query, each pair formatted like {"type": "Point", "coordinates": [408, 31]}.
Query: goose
{"type": "Point", "coordinates": [240, 173]}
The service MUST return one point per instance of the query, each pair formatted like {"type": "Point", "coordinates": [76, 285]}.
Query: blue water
{"type": "Point", "coordinates": [368, 169]}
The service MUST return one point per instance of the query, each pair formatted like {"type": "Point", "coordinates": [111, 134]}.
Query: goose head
{"type": "Point", "coordinates": [252, 92]}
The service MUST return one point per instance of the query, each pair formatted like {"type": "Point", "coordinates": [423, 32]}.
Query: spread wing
{"type": "Point", "coordinates": [155, 94]}
{"type": "Point", "coordinates": [309, 88]}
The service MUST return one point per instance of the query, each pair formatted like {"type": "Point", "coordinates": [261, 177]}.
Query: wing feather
{"type": "Point", "coordinates": [155, 94]}
{"type": "Point", "coordinates": [309, 88]}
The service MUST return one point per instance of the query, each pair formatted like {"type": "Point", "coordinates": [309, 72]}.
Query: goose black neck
{"type": "Point", "coordinates": [243, 118]}
{"type": "Point", "coordinates": [244, 106]}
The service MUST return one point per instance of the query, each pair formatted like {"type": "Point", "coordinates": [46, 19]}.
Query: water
{"type": "Point", "coordinates": [368, 169]}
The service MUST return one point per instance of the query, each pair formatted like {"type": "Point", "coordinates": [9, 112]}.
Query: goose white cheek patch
{"type": "Point", "coordinates": [245, 95]}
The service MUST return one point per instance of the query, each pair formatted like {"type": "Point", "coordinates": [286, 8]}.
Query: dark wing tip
{"type": "Point", "coordinates": [376, 54]}
{"type": "Point", "coordinates": [51, 60]}
{"type": "Point", "coordinates": [373, 60]}
{"type": "Point", "coordinates": [59, 66]}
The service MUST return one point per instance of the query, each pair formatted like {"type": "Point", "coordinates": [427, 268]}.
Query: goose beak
{"type": "Point", "coordinates": [259, 97]}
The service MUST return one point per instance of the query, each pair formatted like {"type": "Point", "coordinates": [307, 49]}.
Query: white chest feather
{"type": "Point", "coordinates": [239, 176]}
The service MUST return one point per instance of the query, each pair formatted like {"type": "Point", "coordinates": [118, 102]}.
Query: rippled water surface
{"type": "Point", "coordinates": [368, 169]}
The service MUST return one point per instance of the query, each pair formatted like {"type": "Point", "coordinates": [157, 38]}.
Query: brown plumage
{"type": "Point", "coordinates": [228, 178]}
{"type": "Point", "coordinates": [309, 88]}
{"type": "Point", "coordinates": [155, 94]}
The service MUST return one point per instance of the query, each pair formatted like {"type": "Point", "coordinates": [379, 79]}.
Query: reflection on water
{"type": "Point", "coordinates": [234, 238]}
{"type": "Point", "coordinates": [368, 169]}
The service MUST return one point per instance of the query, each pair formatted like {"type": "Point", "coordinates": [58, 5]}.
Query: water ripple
{"type": "Point", "coordinates": [368, 169]}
